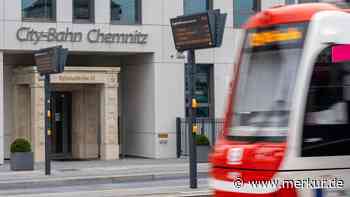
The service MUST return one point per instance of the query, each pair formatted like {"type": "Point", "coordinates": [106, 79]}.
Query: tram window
{"type": "Point", "coordinates": [326, 129]}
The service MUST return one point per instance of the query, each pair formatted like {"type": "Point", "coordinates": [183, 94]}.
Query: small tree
{"type": "Point", "coordinates": [202, 140]}
{"type": "Point", "coordinates": [21, 145]}
{"type": "Point", "coordinates": [21, 155]}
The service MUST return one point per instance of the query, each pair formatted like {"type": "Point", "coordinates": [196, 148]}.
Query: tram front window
{"type": "Point", "coordinates": [266, 82]}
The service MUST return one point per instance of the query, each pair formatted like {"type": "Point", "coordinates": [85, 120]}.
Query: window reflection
{"type": "Point", "coordinates": [125, 11]}
{"type": "Point", "coordinates": [39, 9]}
{"type": "Point", "coordinates": [308, 1]}
{"type": "Point", "coordinates": [243, 9]}
{"type": "Point", "coordinates": [83, 10]}
{"type": "Point", "coordinates": [327, 123]}
{"type": "Point", "coordinates": [196, 6]}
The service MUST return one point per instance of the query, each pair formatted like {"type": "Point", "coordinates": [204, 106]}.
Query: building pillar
{"type": "Point", "coordinates": [109, 146]}
{"type": "Point", "coordinates": [37, 93]}
{"type": "Point", "coordinates": [78, 124]}
{"type": "Point", "coordinates": [92, 113]}
{"type": "Point", "coordinates": [22, 111]}
{"type": "Point", "coordinates": [2, 126]}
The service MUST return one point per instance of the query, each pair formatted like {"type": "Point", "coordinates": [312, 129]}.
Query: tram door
{"type": "Point", "coordinates": [61, 138]}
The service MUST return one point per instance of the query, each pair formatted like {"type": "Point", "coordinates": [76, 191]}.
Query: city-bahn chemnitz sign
{"type": "Point", "coordinates": [198, 31]}
{"type": "Point", "coordinates": [27, 34]}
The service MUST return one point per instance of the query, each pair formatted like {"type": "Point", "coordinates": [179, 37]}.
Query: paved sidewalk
{"type": "Point", "coordinates": [97, 172]}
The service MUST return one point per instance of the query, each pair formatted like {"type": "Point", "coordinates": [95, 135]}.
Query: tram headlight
{"type": "Point", "coordinates": [234, 156]}
{"type": "Point", "coordinates": [234, 175]}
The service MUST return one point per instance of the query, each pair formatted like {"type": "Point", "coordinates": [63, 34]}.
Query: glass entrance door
{"type": "Point", "coordinates": [61, 105]}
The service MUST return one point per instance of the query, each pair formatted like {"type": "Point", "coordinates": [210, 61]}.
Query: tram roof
{"type": "Point", "coordinates": [288, 14]}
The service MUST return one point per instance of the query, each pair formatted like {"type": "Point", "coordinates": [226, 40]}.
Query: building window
{"type": "Point", "coordinates": [197, 6]}
{"type": "Point", "coordinates": [243, 9]}
{"type": "Point", "coordinates": [83, 10]}
{"type": "Point", "coordinates": [308, 1]}
{"type": "Point", "coordinates": [39, 10]}
{"type": "Point", "coordinates": [126, 12]}
{"type": "Point", "coordinates": [203, 92]}
{"type": "Point", "coordinates": [327, 117]}
{"type": "Point", "coordinates": [326, 1]}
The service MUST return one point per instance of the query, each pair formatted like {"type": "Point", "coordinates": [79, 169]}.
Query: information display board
{"type": "Point", "coordinates": [198, 31]}
{"type": "Point", "coordinates": [192, 32]}
{"type": "Point", "coordinates": [51, 60]}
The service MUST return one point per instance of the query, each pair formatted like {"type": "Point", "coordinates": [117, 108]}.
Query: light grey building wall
{"type": "Point", "coordinates": [151, 88]}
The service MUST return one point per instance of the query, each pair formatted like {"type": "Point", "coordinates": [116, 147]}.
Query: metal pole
{"type": "Point", "coordinates": [213, 130]}
{"type": "Point", "coordinates": [178, 137]}
{"type": "Point", "coordinates": [192, 117]}
{"type": "Point", "coordinates": [48, 130]}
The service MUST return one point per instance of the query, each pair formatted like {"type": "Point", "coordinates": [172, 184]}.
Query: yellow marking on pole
{"type": "Point", "coordinates": [194, 129]}
{"type": "Point", "coordinates": [194, 103]}
{"type": "Point", "coordinates": [49, 132]}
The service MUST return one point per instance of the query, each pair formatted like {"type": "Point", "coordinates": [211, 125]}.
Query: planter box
{"type": "Point", "coordinates": [22, 161]}
{"type": "Point", "coordinates": [202, 153]}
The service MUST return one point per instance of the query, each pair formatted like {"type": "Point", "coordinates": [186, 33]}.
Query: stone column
{"type": "Point", "coordinates": [109, 121]}
{"type": "Point", "coordinates": [37, 93]}
{"type": "Point", "coordinates": [22, 111]}
{"type": "Point", "coordinates": [78, 124]}
{"type": "Point", "coordinates": [2, 127]}
{"type": "Point", "coordinates": [92, 113]}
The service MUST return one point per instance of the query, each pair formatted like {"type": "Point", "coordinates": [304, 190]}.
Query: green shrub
{"type": "Point", "coordinates": [21, 145]}
{"type": "Point", "coordinates": [202, 140]}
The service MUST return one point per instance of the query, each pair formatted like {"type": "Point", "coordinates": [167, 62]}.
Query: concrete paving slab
{"type": "Point", "coordinates": [98, 172]}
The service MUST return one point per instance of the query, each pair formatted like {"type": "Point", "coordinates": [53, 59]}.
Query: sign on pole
{"type": "Point", "coordinates": [191, 32]}
{"type": "Point", "coordinates": [51, 60]}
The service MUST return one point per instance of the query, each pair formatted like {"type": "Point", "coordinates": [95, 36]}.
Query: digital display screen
{"type": "Point", "coordinates": [51, 60]}
{"type": "Point", "coordinates": [270, 37]}
{"type": "Point", "coordinates": [192, 32]}
{"type": "Point", "coordinates": [281, 36]}
{"type": "Point", "coordinates": [46, 61]}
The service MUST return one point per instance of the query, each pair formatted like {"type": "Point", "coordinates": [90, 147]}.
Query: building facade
{"type": "Point", "coordinates": [123, 85]}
